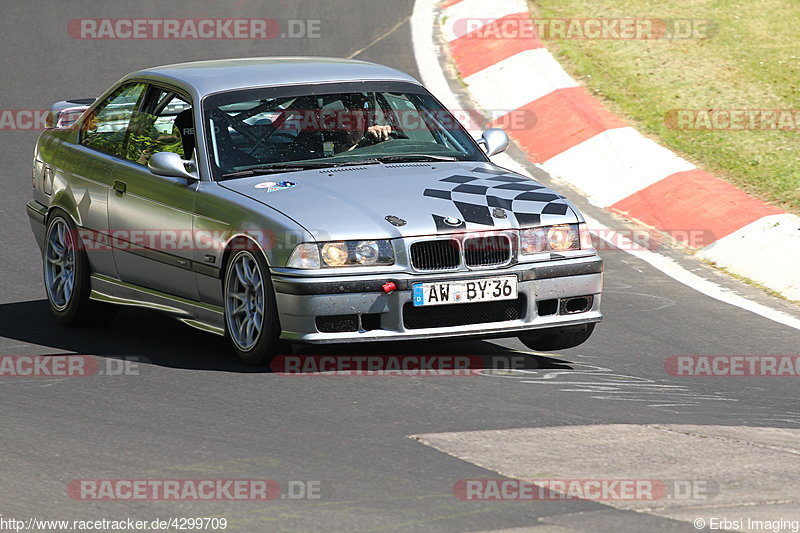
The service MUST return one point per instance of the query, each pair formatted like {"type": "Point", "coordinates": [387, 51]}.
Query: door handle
{"type": "Point", "coordinates": [120, 187]}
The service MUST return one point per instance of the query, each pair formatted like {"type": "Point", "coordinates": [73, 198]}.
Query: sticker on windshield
{"type": "Point", "coordinates": [273, 186]}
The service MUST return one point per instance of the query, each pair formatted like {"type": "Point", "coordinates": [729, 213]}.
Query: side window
{"type": "Point", "coordinates": [106, 129]}
{"type": "Point", "coordinates": [164, 124]}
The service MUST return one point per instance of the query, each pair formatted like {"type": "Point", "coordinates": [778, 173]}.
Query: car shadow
{"type": "Point", "coordinates": [147, 336]}
{"type": "Point", "coordinates": [150, 337]}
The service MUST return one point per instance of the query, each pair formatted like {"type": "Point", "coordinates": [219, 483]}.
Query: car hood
{"type": "Point", "coordinates": [407, 199]}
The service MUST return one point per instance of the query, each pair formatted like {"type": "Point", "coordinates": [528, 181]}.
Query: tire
{"type": "Point", "coordinates": [550, 339]}
{"type": "Point", "coordinates": [251, 314]}
{"type": "Point", "coordinates": [66, 276]}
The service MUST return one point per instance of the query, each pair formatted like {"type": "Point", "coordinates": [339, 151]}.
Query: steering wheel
{"type": "Point", "coordinates": [367, 140]}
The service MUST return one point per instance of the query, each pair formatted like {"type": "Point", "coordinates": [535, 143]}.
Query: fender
{"type": "Point", "coordinates": [63, 200]}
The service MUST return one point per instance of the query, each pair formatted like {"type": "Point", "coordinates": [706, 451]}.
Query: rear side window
{"type": "Point", "coordinates": [106, 129]}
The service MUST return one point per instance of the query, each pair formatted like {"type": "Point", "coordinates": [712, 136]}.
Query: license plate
{"type": "Point", "coordinates": [466, 291]}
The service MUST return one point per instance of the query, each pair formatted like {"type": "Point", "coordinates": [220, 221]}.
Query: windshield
{"type": "Point", "coordinates": [292, 128]}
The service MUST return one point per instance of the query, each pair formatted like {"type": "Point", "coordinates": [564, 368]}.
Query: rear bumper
{"type": "Point", "coordinates": [301, 300]}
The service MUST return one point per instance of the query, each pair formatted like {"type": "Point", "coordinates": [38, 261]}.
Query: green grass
{"type": "Point", "coordinates": [751, 62]}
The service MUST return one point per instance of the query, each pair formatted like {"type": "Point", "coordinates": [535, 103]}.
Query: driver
{"type": "Point", "coordinates": [357, 105]}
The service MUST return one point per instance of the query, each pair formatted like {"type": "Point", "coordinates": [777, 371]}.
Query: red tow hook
{"type": "Point", "coordinates": [389, 287]}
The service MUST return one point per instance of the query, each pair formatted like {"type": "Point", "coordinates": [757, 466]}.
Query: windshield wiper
{"type": "Point", "coordinates": [262, 170]}
{"type": "Point", "coordinates": [370, 161]}
{"type": "Point", "coordinates": [281, 167]}
{"type": "Point", "coordinates": [297, 167]}
{"type": "Point", "coordinates": [415, 157]}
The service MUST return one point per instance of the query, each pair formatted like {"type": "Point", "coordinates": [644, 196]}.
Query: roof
{"type": "Point", "coordinates": [206, 77]}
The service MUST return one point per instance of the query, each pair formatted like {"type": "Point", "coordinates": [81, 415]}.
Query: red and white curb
{"type": "Point", "coordinates": [576, 139]}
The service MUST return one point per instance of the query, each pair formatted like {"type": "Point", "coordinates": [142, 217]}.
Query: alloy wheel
{"type": "Point", "coordinates": [60, 264]}
{"type": "Point", "coordinates": [244, 300]}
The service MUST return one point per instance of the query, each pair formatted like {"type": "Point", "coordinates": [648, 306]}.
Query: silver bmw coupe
{"type": "Point", "coordinates": [308, 200]}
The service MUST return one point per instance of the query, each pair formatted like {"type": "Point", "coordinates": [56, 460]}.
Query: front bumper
{"type": "Point", "coordinates": [302, 299]}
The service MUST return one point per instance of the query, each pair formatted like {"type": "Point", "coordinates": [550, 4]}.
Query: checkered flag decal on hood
{"type": "Point", "coordinates": [477, 198]}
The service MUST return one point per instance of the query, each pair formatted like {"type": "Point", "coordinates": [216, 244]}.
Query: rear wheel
{"type": "Point", "coordinates": [550, 339]}
{"type": "Point", "coordinates": [251, 316]}
{"type": "Point", "coordinates": [66, 276]}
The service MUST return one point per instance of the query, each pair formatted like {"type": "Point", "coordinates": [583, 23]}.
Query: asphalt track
{"type": "Point", "coordinates": [190, 411]}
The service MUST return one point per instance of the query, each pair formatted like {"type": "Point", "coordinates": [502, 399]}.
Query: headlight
{"type": "Point", "coordinates": [342, 254]}
{"type": "Point", "coordinates": [550, 239]}
{"type": "Point", "coordinates": [367, 252]}
{"type": "Point", "coordinates": [563, 238]}
{"type": "Point", "coordinates": [335, 254]}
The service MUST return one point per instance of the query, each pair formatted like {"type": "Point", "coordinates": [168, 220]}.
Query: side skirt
{"type": "Point", "coordinates": [202, 316]}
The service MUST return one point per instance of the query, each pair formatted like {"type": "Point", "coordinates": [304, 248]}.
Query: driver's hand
{"type": "Point", "coordinates": [379, 133]}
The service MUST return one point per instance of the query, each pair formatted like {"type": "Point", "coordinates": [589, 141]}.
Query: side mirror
{"type": "Point", "coordinates": [171, 165]}
{"type": "Point", "coordinates": [494, 141]}
{"type": "Point", "coordinates": [65, 113]}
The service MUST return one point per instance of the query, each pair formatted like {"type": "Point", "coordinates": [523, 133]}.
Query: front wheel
{"type": "Point", "coordinates": [251, 315]}
{"type": "Point", "coordinates": [560, 338]}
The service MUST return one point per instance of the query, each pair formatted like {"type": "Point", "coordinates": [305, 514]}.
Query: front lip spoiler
{"type": "Point", "coordinates": [479, 331]}
{"type": "Point", "coordinates": [544, 271]}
